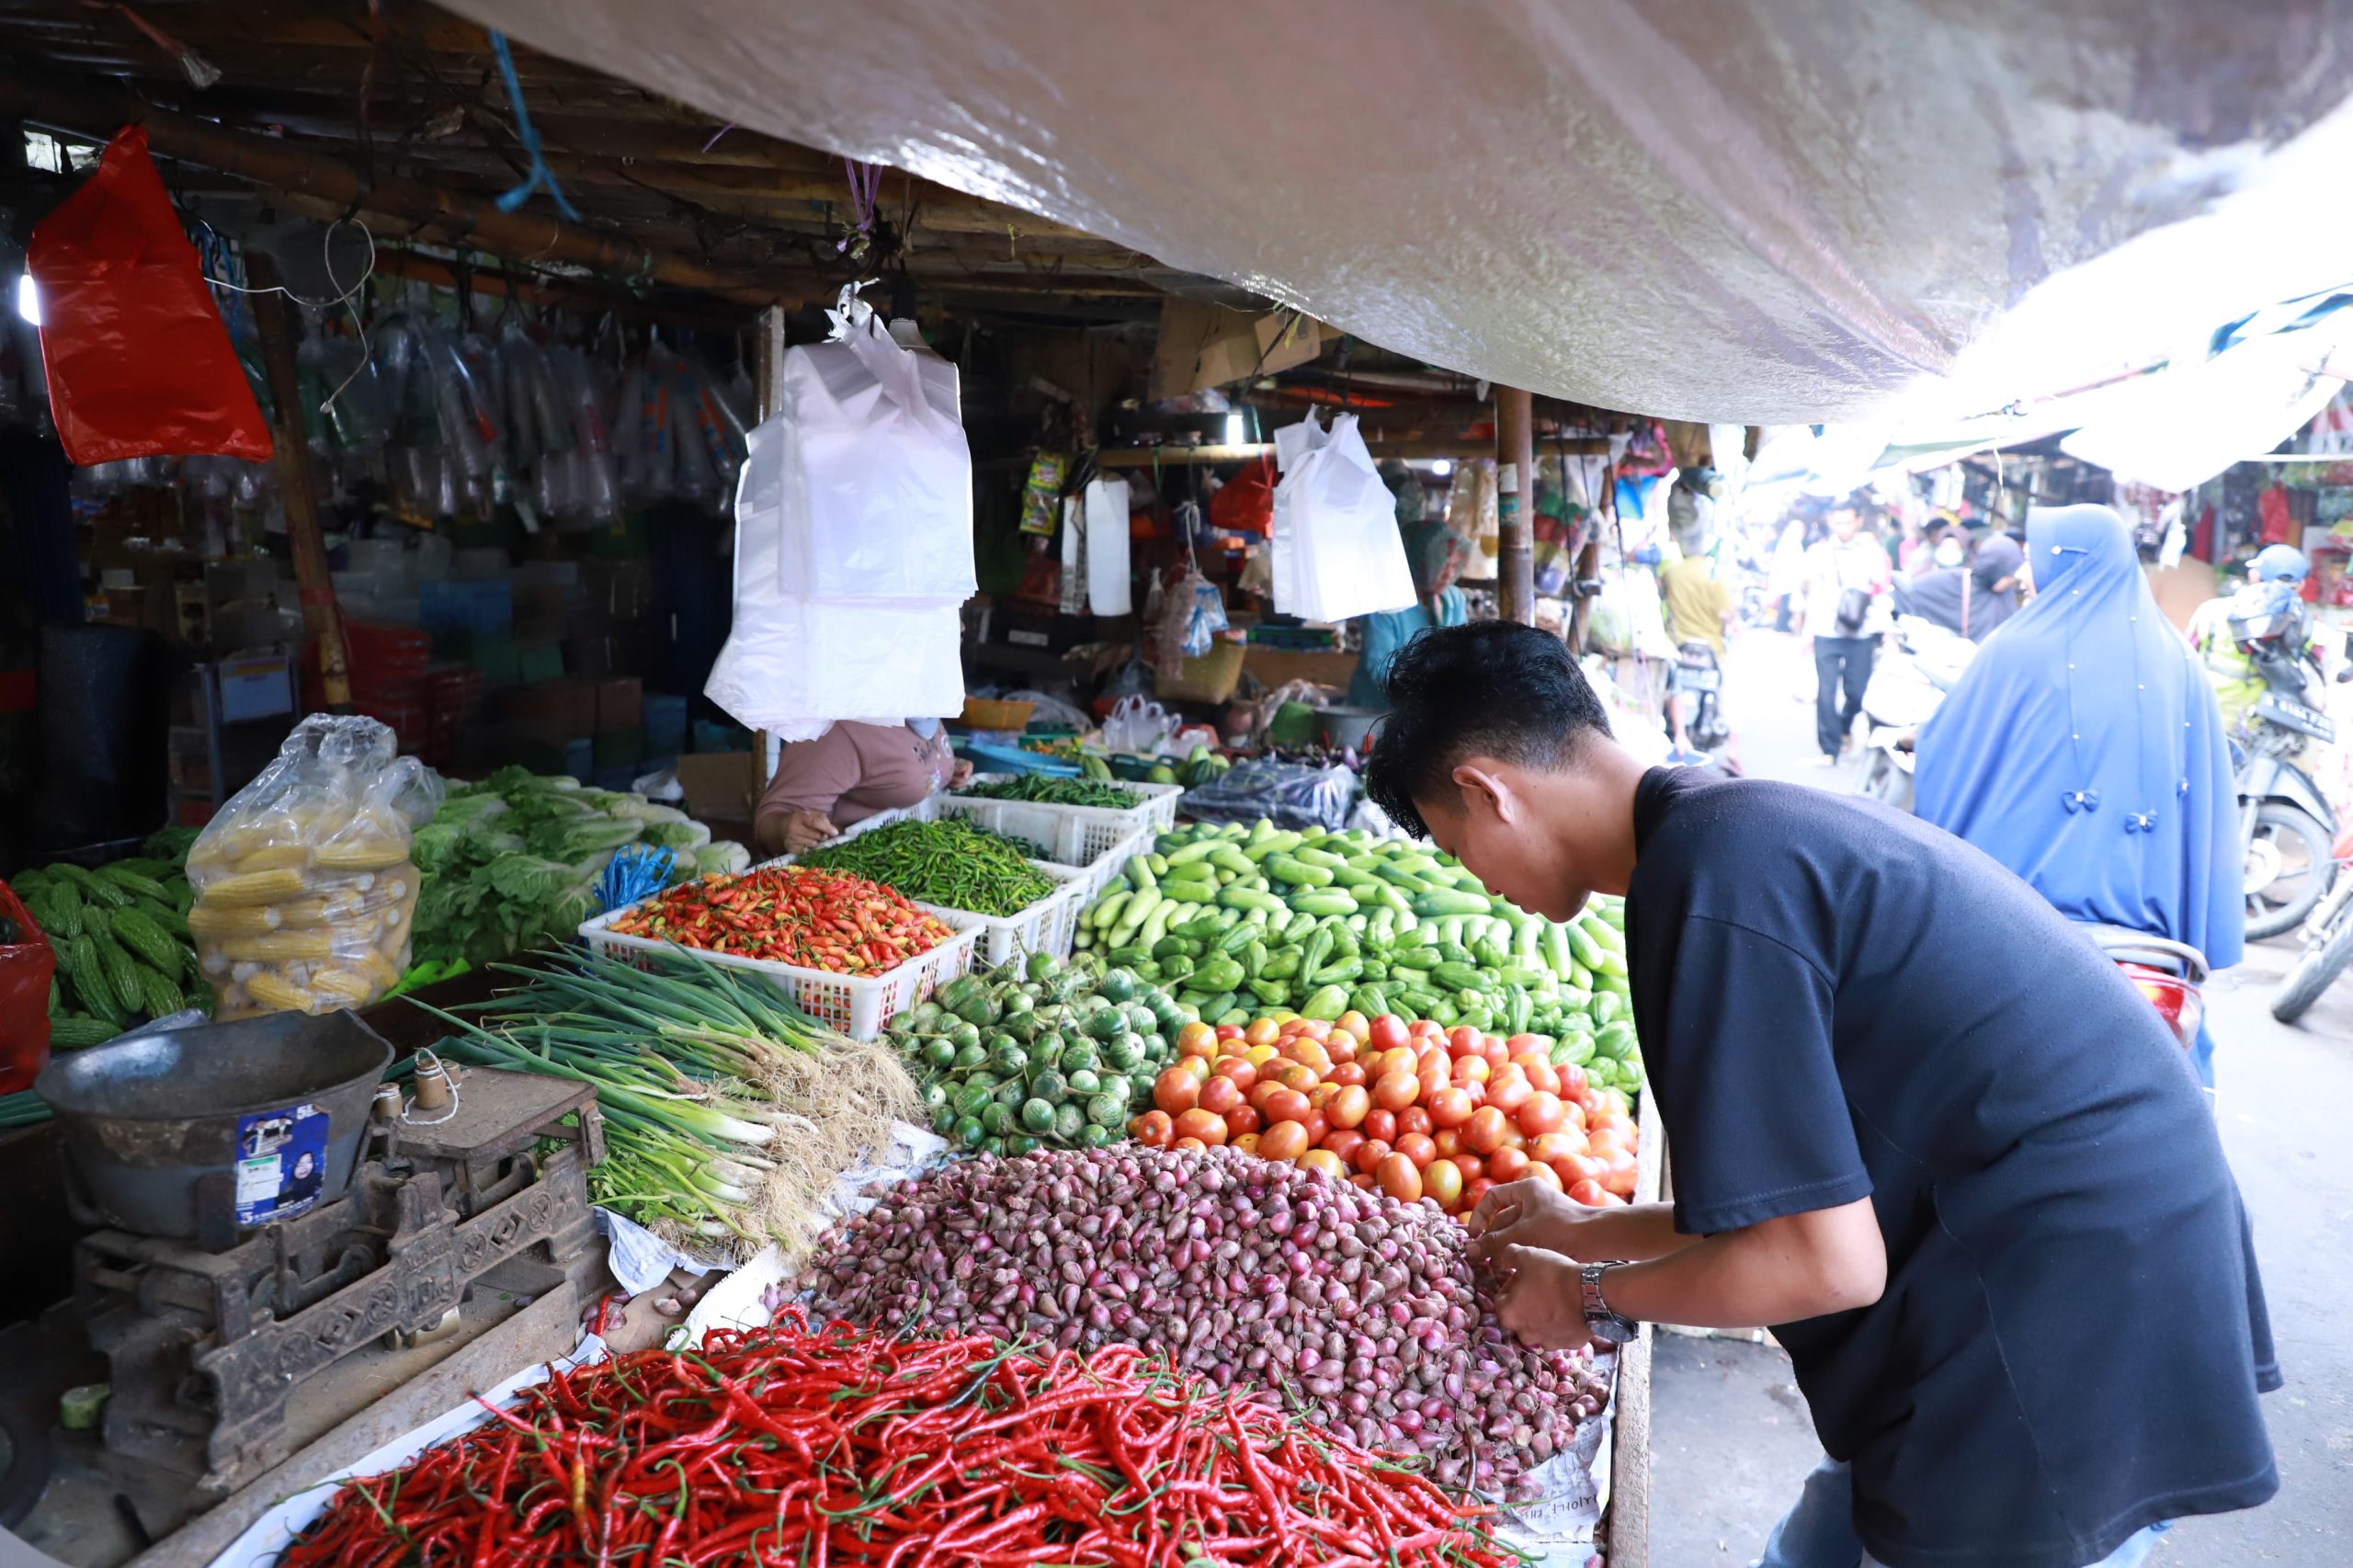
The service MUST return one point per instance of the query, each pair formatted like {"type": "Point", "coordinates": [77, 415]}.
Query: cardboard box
{"type": "Point", "coordinates": [621, 703]}
{"type": "Point", "coordinates": [1279, 666]}
{"type": "Point", "coordinates": [1202, 345]}
{"type": "Point", "coordinates": [620, 590]}
{"type": "Point", "coordinates": [564, 707]}
{"type": "Point", "coordinates": [722, 784]}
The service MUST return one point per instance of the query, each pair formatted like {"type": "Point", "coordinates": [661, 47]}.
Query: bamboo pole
{"type": "Point", "coordinates": [1516, 504]}
{"type": "Point", "coordinates": [274, 315]}
{"type": "Point", "coordinates": [318, 180]}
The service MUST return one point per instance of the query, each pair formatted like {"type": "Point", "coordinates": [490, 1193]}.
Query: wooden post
{"type": "Point", "coordinates": [274, 314]}
{"type": "Point", "coordinates": [1515, 505]}
{"type": "Point", "coordinates": [767, 388]}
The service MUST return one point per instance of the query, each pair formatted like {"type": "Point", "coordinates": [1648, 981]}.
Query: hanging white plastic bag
{"type": "Point", "coordinates": [1293, 444]}
{"type": "Point", "coordinates": [1109, 589]}
{"type": "Point", "coordinates": [795, 666]}
{"type": "Point", "coordinates": [1340, 554]}
{"type": "Point", "coordinates": [879, 494]}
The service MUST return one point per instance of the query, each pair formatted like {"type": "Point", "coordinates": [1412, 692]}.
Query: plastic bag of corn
{"type": "Point", "coordinates": [304, 889]}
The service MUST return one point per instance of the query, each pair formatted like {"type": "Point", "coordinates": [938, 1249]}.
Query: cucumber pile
{"type": "Point", "coordinates": [1039, 1054]}
{"type": "Point", "coordinates": [1236, 920]}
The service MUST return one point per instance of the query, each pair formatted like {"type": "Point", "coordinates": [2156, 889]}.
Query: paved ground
{"type": "Point", "coordinates": [1730, 1435]}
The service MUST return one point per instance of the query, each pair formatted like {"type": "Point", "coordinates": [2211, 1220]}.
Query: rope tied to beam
{"type": "Point", "coordinates": [539, 176]}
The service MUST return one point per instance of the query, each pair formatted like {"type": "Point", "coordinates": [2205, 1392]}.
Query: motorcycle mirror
{"type": "Point", "coordinates": [2345, 675]}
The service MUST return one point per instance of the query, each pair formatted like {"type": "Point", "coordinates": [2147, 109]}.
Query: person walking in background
{"type": "Point", "coordinates": [1847, 574]}
{"type": "Point", "coordinates": [2083, 750]}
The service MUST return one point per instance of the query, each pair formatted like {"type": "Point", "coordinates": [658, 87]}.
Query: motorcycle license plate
{"type": "Point", "coordinates": [2296, 716]}
{"type": "Point", "coordinates": [1690, 679]}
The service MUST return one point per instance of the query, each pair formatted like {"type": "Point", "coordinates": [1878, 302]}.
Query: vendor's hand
{"type": "Point", "coordinates": [1540, 1298]}
{"type": "Point", "coordinates": [806, 830]}
{"type": "Point", "coordinates": [960, 775]}
{"type": "Point", "coordinates": [1529, 1214]}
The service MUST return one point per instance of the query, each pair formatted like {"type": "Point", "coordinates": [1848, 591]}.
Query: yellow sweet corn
{"type": "Point", "coordinates": [345, 982]}
{"type": "Point", "coordinates": [280, 947]}
{"type": "Point", "coordinates": [274, 857]}
{"type": "Point", "coordinates": [360, 855]}
{"type": "Point", "coordinates": [277, 996]}
{"type": "Point", "coordinates": [248, 920]}
{"type": "Point", "coordinates": [254, 888]}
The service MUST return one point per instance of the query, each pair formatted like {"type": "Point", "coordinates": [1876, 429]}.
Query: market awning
{"type": "Point", "coordinates": [1719, 210]}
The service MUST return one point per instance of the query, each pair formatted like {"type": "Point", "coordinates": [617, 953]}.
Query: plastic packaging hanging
{"type": "Point", "coordinates": [1338, 552]}
{"type": "Point", "coordinates": [137, 358]}
{"type": "Point", "coordinates": [795, 666]}
{"type": "Point", "coordinates": [878, 492]}
{"type": "Point", "coordinates": [1109, 589]}
{"type": "Point", "coordinates": [303, 883]}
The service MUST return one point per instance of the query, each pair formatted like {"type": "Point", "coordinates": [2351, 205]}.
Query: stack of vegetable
{"type": "Point", "coordinates": [1041, 789]}
{"type": "Point", "coordinates": [512, 862]}
{"type": "Point", "coordinates": [791, 915]}
{"type": "Point", "coordinates": [848, 1447]}
{"type": "Point", "coordinates": [1041, 1054]}
{"type": "Point", "coordinates": [1413, 1109]}
{"type": "Point", "coordinates": [121, 934]}
{"type": "Point", "coordinates": [1358, 1312]}
{"type": "Point", "coordinates": [953, 863]}
{"type": "Point", "coordinates": [729, 1113]}
{"type": "Point", "coordinates": [1239, 920]}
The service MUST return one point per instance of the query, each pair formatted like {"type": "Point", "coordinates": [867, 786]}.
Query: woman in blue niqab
{"type": "Point", "coordinates": [2083, 750]}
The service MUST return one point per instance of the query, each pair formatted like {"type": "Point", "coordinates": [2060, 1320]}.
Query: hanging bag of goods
{"type": "Point", "coordinates": [1338, 550]}
{"type": "Point", "coordinates": [305, 883]}
{"type": "Point", "coordinates": [139, 362]}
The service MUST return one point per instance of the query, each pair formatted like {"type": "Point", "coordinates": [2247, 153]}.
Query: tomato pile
{"type": "Point", "coordinates": [1413, 1110]}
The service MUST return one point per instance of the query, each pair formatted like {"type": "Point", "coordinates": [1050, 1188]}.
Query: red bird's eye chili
{"type": "Point", "coordinates": [796, 914]}
{"type": "Point", "coordinates": [838, 1446]}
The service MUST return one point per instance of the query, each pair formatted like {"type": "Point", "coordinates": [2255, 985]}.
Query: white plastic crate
{"type": "Point", "coordinates": [1070, 836]}
{"type": "Point", "coordinates": [860, 1006]}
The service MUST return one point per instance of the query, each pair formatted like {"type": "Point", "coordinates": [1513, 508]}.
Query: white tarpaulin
{"type": "Point", "coordinates": [1759, 211]}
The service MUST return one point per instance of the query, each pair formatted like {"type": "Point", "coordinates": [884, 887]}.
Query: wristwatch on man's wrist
{"type": "Point", "coordinates": [1599, 1321]}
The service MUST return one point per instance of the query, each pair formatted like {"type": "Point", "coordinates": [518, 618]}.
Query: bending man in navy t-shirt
{"type": "Point", "coordinates": [1919, 1125]}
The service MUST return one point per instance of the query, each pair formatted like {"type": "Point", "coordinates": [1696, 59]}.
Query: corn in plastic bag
{"type": "Point", "coordinates": [305, 894]}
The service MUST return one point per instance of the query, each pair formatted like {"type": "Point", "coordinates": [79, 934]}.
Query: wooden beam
{"type": "Point", "coordinates": [564, 294]}
{"type": "Point", "coordinates": [274, 315]}
{"type": "Point", "coordinates": [92, 109]}
{"type": "Point", "coordinates": [1410, 446]}
{"type": "Point", "coordinates": [1515, 505]}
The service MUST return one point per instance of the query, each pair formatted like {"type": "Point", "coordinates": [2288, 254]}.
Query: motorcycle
{"type": "Point", "coordinates": [1698, 676]}
{"type": "Point", "coordinates": [2285, 824]}
{"type": "Point", "coordinates": [1921, 663]}
{"type": "Point", "coordinates": [2171, 975]}
{"type": "Point", "coordinates": [2328, 936]}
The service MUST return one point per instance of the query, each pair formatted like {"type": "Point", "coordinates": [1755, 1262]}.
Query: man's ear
{"type": "Point", "coordinates": [1484, 791]}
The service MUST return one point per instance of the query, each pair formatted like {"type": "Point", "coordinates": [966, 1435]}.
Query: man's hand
{"type": "Point", "coordinates": [960, 775]}
{"type": "Point", "coordinates": [1540, 1298]}
{"type": "Point", "coordinates": [806, 830]}
{"type": "Point", "coordinates": [1526, 1214]}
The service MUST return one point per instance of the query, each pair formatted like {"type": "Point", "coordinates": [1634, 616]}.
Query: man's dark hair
{"type": "Point", "coordinates": [1490, 688]}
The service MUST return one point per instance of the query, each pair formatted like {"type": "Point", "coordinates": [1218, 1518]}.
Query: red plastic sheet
{"type": "Point", "coordinates": [139, 362]}
{"type": "Point", "coordinates": [25, 971]}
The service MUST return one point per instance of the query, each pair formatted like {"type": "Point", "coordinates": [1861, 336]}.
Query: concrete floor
{"type": "Point", "coordinates": [1730, 1436]}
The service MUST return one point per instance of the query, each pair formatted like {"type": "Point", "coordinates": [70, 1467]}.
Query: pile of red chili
{"type": "Point", "coordinates": [839, 1445]}
{"type": "Point", "coordinates": [795, 914]}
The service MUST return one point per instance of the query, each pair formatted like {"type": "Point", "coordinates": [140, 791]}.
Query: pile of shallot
{"type": "Point", "coordinates": [1357, 1311]}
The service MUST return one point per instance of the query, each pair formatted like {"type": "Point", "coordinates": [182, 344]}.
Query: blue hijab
{"type": "Point", "coordinates": [2083, 749]}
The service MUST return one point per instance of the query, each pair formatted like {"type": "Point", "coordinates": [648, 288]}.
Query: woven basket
{"type": "Point", "coordinates": [991, 714]}
{"type": "Point", "coordinates": [1209, 678]}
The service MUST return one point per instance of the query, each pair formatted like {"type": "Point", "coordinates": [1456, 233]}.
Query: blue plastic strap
{"type": "Point", "coordinates": [539, 176]}
{"type": "Point", "coordinates": [635, 871]}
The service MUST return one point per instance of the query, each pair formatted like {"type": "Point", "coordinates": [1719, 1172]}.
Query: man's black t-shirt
{"type": "Point", "coordinates": [1838, 1001]}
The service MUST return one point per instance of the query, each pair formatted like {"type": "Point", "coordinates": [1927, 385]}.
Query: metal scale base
{"type": "Point", "coordinates": [223, 1364]}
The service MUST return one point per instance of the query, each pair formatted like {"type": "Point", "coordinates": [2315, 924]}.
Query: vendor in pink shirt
{"type": "Point", "coordinates": [847, 775]}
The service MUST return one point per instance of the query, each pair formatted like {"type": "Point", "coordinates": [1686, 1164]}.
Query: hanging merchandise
{"type": "Point", "coordinates": [1109, 588]}
{"type": "Point", "coordinates": [1245, 503]}
{"type": "Point", "coordinates": [794, 665]}
{"type": "Point", "coordinates": [1073, 591]}
{"type": "Point", "coordinates": [1041, 493]}
{"type": "Point", "coordinates": [878, 490]}
{"type": "Point", "coordinates": [138, 360]}
{"type": "Point", "coordinates": [1471, 512]}
{"type": "Point", "coordinates": [1342, 556]}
